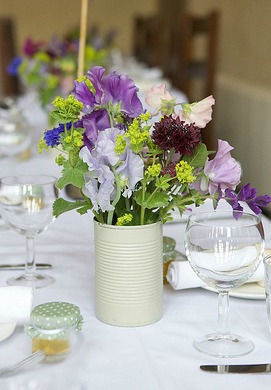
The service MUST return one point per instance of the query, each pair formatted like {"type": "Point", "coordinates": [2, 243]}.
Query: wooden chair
{"type": "Point", "coordinates": [189, 67]}
{"type": "Point", "coordinates": [146, 39]}
{"type": "Point", "coordinates": [191, 73]}
{"type": "Point", "coordinates": [9, 85]}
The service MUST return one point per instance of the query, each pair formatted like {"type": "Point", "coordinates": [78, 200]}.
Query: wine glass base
{"type": "Point", "coordinates": [36, 280]}
{"type": "Point", "coordinates": [224, 346]}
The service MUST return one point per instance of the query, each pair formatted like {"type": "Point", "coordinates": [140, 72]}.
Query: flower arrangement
{"type": "Point", "coordinates": [50, 68]}
{"type": "Point", "coordinates": [132, 169]}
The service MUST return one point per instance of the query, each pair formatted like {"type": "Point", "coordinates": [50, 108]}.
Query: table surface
{"type": "Point", "coordinates": [154, 357]}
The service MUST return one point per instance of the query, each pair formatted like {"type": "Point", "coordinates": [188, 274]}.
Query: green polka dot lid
{"type": "Point", "coordinates": [53, 319]}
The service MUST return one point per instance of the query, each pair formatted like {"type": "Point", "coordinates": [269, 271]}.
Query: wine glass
{"type": "Point", "coordinates": [26, 205]}
{"type": "Point", "coordinates": [224, 249]}
{"type": "Point", "coordinates": [15, 132]}
{"type": "Point", "coordinates": [15, 138]}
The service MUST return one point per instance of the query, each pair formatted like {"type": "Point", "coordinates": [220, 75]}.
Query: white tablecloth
{"type": "Point", "coordinates": [155, 357]}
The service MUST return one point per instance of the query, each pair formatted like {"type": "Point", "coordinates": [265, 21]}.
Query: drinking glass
{"type": "Point", "coordinates": [26, 205]}
{"type": "Point", "coordinates": [224, 250]}
{"type": "Point", "coordinates": [15, 132]}
{"type": "Point", "coordinates": [15, 139]}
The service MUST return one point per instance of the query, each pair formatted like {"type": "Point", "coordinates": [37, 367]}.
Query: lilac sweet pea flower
{"type": "Point", "coordinates": [99, 194]}
{"type": "Point", "coordinates": [131, 172]}
{"type": "Point", "coordinates": [100, 180]}
{"type": "Point", "coordinates": [223, 171]}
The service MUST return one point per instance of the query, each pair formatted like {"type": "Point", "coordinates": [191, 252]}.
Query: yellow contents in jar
{"type": "Point", "coordinates": [51, 347]}
{"type": "Point", "coordinates": [165, 269]}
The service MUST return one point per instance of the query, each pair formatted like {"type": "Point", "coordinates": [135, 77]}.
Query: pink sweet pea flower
{"type": "Point", "coordinates": [155, 96]}
{"type": "Point", "coordinates": [223, 171]}
{"type": "Point", "coordinates": [199, 113]}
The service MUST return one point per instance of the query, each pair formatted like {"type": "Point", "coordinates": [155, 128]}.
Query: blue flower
{"type": "Point", "coordinates": [52, 137]}
{"type": "Point", "coordinates": [12, 68]}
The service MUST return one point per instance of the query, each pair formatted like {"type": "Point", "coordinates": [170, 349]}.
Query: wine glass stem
{"type": "Point", "coordinates": [30, 266]}
{"type": "Point", "coordinates": [223, 313]}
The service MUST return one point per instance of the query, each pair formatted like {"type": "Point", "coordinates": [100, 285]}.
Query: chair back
{"type": "Point", "coordinates": [146, 39]}
{"type": "Point", "coordinates": [192, 65]}
{"type": "Point", "coordinates": [9, 85]}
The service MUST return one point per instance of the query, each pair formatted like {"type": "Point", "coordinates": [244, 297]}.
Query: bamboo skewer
{"type": "Point", "coordinates": [82, 41]}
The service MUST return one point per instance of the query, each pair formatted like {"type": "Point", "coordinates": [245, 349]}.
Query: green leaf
{"type": "Point", "coordinates": [199, 157]}
{"type": "Point", "coordinates": [73, 175]}
{"type": "Point", "coordinates": [162, 182]}
{"type": "Point", "coordinates": [159, 199]}
{"type": "Point", "coordinates": [61, 206]}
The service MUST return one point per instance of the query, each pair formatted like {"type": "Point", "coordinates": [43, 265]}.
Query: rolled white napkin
{"type": "Point", "coordinates": [15, 304]}
{"type": "Point", "coordinates": [180, 275]}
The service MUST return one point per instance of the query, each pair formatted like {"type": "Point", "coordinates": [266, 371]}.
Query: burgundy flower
{"type": "Point", "coordinates": [172, 133]}
{"type": "Point", "coordinates": [169, 169]}
{"type": "Point", "coordinates": [31, 47]}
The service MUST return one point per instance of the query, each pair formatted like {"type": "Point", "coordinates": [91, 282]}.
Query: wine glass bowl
{"type": "Point", "coordinates": [15, 133]}
{"type": "Point", "coordinates": [224, 249]}
{"type": "Point", "coordinates": [26, 206]}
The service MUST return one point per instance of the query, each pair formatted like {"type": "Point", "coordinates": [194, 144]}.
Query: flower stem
{"type": "Point", "coordinates": [117, 197]}
{"type": "Point", "coordinates": [142, 213]}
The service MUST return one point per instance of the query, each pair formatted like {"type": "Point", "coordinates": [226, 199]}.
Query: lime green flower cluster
{"type": "Point", "coordinates": [184, 172]}
{"type": "Point", "coordinates": [124, 220]}
{"type": "Point", "coordinates": [154, 170]}
{"type": "Point", "coordinates": [66, 109]}
{"type": "Point", "coordinates": [138, 134]}
{"type": "Point", "coordinates": [120, 144]}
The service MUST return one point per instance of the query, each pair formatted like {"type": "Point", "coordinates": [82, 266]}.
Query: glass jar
{"type": "Point", "coordinates": [53, 327]}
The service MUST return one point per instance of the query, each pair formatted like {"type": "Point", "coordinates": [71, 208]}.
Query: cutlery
{"type": "Point", "coordinates": [238, 368]}
{"type": "Point", "coordinates": [35, 357]}
{"type": "Point", "coordinates": [22, 266]}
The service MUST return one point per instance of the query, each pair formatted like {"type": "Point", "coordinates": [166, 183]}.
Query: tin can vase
{"type": "Point", "coordinates": [129, 274]}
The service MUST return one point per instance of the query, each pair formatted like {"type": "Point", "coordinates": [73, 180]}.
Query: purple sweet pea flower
{"type": "Point", "coordinates": [223, 170]}
{"type": "Point", "coordinates": [93, 123]}
{"type": "Point", "coordinates": [95, 75]}
{"type": "Point", "coordinates": [232, 198]}
{"type": "Point", "coordinates": [12, 68]}
{"type": "Point", "coordinates": [115, 88]}
{"type": "Point", "coordinates": [82, 93]}
{"type": "Point", "coordinates": [248, 194]}
{"type": "Point", "coordinates": [120, 88]}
